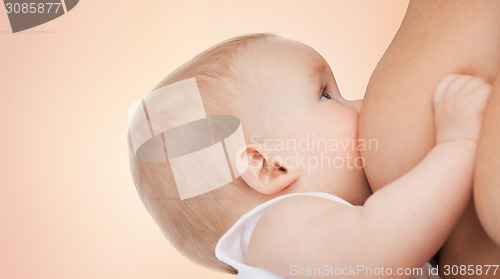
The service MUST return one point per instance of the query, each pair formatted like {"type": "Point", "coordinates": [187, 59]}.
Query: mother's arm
{"type": "Point", "coordinates": [436, 38]}
{"type": "Point", "coordinates": [487, 176]}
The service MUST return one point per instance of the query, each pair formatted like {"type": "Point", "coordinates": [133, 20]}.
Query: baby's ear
{"type": "Point", "coordinates": [265, 175]}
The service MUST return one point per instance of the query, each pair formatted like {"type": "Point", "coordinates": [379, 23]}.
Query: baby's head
{"type": "Point", "coordinates": [303, 137]}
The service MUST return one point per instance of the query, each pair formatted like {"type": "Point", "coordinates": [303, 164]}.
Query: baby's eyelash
{"type": "Point", "coordinates": [325, 89]}
{"type": "Point", "coordinates": [325, 96]}
{"type": "Point", "coordinates": [324, 93]}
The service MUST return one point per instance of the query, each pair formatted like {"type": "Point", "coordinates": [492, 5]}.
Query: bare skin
{"type": "Point", "coordinates": [487, 180]}
{"type": "Point", "coordinates": [293, 231]}
{"type": "Point", "coordinates": [436, 38]}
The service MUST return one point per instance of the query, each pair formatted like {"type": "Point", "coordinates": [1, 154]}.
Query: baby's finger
{"type": "Point", "coordinates": [442, 85]}
{"type": "Point", "coordinates": [472, 84]}
{"type": "Point", "coordinates": [478, 98]}
{"type": "Point", "coordinates": [457, 84]}
{"type": "Point", "coordinates": [483, 92]}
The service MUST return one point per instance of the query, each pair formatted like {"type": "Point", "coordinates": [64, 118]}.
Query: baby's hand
{"type": "Point", "coordinates": [459, 103]}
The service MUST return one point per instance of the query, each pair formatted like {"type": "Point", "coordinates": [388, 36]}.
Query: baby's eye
{"type": "Point", "coordinates": [325, 96]}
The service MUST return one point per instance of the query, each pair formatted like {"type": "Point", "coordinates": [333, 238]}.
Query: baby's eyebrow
{"type": "Point", "coordinates": [318, 69]}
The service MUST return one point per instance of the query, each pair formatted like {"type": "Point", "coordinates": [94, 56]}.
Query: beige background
{"type": "Point", "coordinates": [68, 208]}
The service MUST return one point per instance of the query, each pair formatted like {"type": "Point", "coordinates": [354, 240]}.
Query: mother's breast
{"type": "Point", "coordinates": [436, 38]}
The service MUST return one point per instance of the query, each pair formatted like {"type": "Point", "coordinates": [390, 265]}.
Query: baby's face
{"type": "Point", "coordinates": [311, 128]}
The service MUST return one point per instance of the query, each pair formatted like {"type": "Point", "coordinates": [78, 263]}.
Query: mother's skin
{"type": "Point", "coordinates": [487, 176]}
{"type": "Point", "coordinates": [436, 38]}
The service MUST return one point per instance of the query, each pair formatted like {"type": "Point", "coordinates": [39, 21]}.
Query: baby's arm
{"type": "Point", "coordinates": [402, 225]}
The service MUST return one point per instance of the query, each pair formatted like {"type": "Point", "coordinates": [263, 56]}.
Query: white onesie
{"type": "Point", "coordinates": [232, 246]}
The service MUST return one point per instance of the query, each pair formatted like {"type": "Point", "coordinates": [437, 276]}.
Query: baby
{"type": "Point", "coordinates": [283, 218]}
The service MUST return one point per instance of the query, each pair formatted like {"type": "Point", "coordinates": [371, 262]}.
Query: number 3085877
{"type": "Point", "coordinates": [32, 8]}
{"type": "Point", "coordinates": [485, 269]}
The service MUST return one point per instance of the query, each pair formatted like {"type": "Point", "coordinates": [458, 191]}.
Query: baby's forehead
{"type": "Point", "coordinates": [285, 51]}
{"type": "Point", "coordinates": [279, 58]}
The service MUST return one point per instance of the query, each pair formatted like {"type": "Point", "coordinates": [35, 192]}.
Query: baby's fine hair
{"type": "Point", "coordinates": [194, 226]}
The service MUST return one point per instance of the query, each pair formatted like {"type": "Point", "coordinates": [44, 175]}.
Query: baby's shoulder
{"type": "Point", "coordinates": [296, 207]}
{"type": "Point", "coordinates": [288, 220]}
